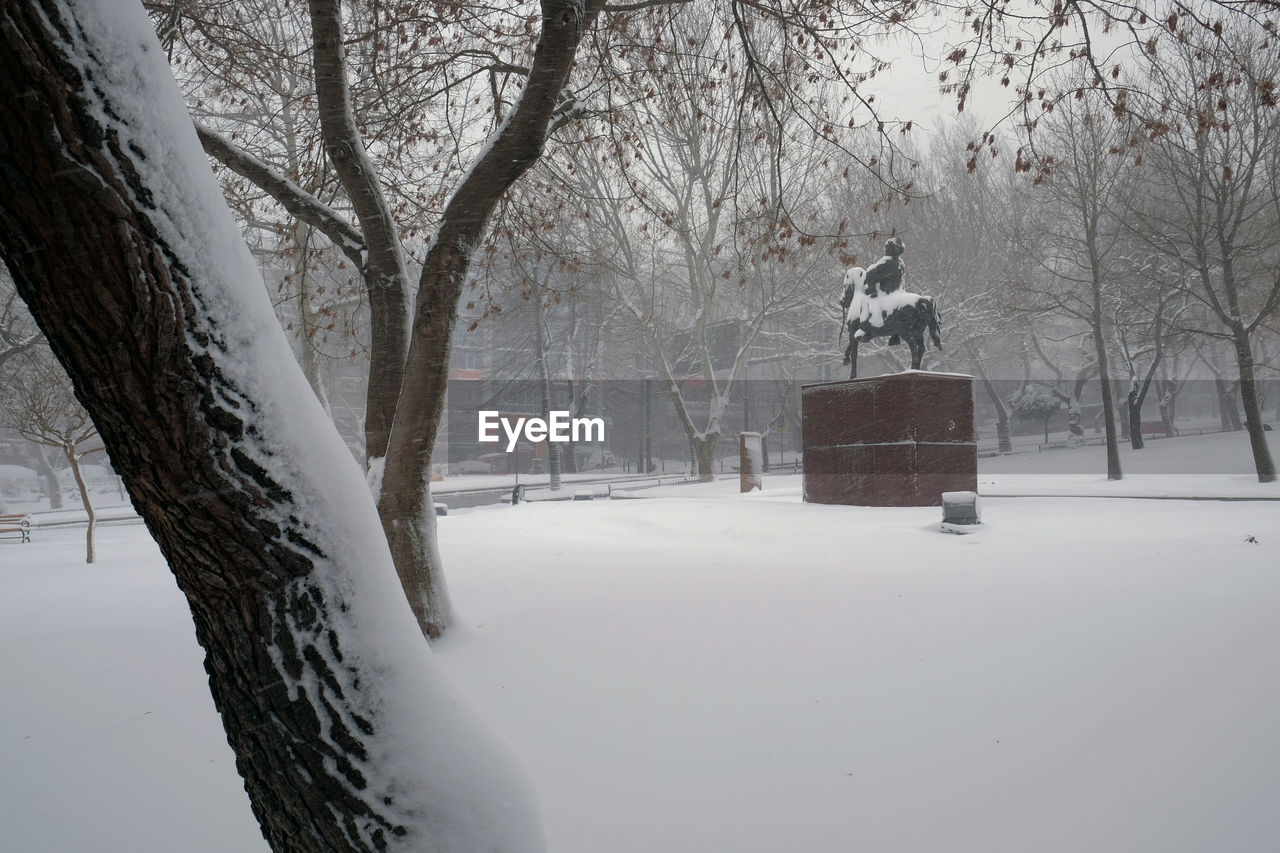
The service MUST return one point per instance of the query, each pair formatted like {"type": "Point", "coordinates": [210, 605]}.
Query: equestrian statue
{"type": "Point", "coordinates": [875, 305]}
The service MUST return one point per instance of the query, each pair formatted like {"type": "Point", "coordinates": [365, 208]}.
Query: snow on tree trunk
{"type": "Point", "coordinates": [381, 262]}
{"type": "Point", "coordinates": [345, 731]}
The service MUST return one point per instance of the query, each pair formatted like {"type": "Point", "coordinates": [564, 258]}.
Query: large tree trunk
{"type": "Point", "coordinates": [346, 734]}
{"type": "Point", "coordinates": [405, 502]}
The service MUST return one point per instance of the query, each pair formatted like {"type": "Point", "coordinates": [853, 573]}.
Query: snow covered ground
{"type": "Point", "coordinates": [706, 671]}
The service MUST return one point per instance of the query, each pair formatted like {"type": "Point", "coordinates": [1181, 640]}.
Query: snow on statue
{"type": "Point", "coordinates": [876, 305]}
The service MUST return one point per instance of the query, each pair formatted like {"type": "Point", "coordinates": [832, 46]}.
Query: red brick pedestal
{"type": "Point", "coordinates": [898, 440]}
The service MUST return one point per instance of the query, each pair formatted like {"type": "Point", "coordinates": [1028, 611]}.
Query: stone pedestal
{"type": "Point", "coordinates": [897, 440]}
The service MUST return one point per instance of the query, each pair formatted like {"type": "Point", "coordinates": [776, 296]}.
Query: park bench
{"type": "Point", "coordinates": [15, 526]}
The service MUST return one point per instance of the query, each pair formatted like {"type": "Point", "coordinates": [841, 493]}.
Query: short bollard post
{"type": "Point", "coordinates": [960, 508]}
{"type": "Point", "coordinates": [750, 461]}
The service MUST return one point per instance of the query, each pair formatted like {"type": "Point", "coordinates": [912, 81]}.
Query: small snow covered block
{"type": "Point", "coordinates": [584, 496]}
{"type": "Point", "coordinates": [960, 508]}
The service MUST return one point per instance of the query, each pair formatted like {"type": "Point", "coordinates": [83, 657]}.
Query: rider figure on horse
{"type": "Point", "coordinates": [883, 277]}
{"type": "Point", "coordinates": [886, 274]}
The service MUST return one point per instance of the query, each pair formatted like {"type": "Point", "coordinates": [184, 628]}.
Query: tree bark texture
{"type": "Point", "coordinates": [405, 501]}
{"type": "Point", "coordinates": [347, 739]}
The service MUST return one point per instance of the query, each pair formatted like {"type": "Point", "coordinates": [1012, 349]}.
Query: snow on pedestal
{"type": "Point", "coordinates": [897, 440]}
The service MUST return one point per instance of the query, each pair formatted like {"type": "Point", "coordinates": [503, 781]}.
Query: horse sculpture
{"type": "Point", "coordinates": [875, 305]}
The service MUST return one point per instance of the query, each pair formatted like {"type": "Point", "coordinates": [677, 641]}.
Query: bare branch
{"type": "Point", "coordinates": [291, 197]}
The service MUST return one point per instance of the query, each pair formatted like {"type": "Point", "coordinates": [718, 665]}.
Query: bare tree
{"type": "Point", "coordinates": [1083, 181]}
{"type": "Point", "coordinates": [1212, 200]}
{"type": "Point", "coordinates": [682, 209]}
{"type": "Point", "coordinates": [964, 252]}
{"type": "Point", "coordinates": [39, 403]}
